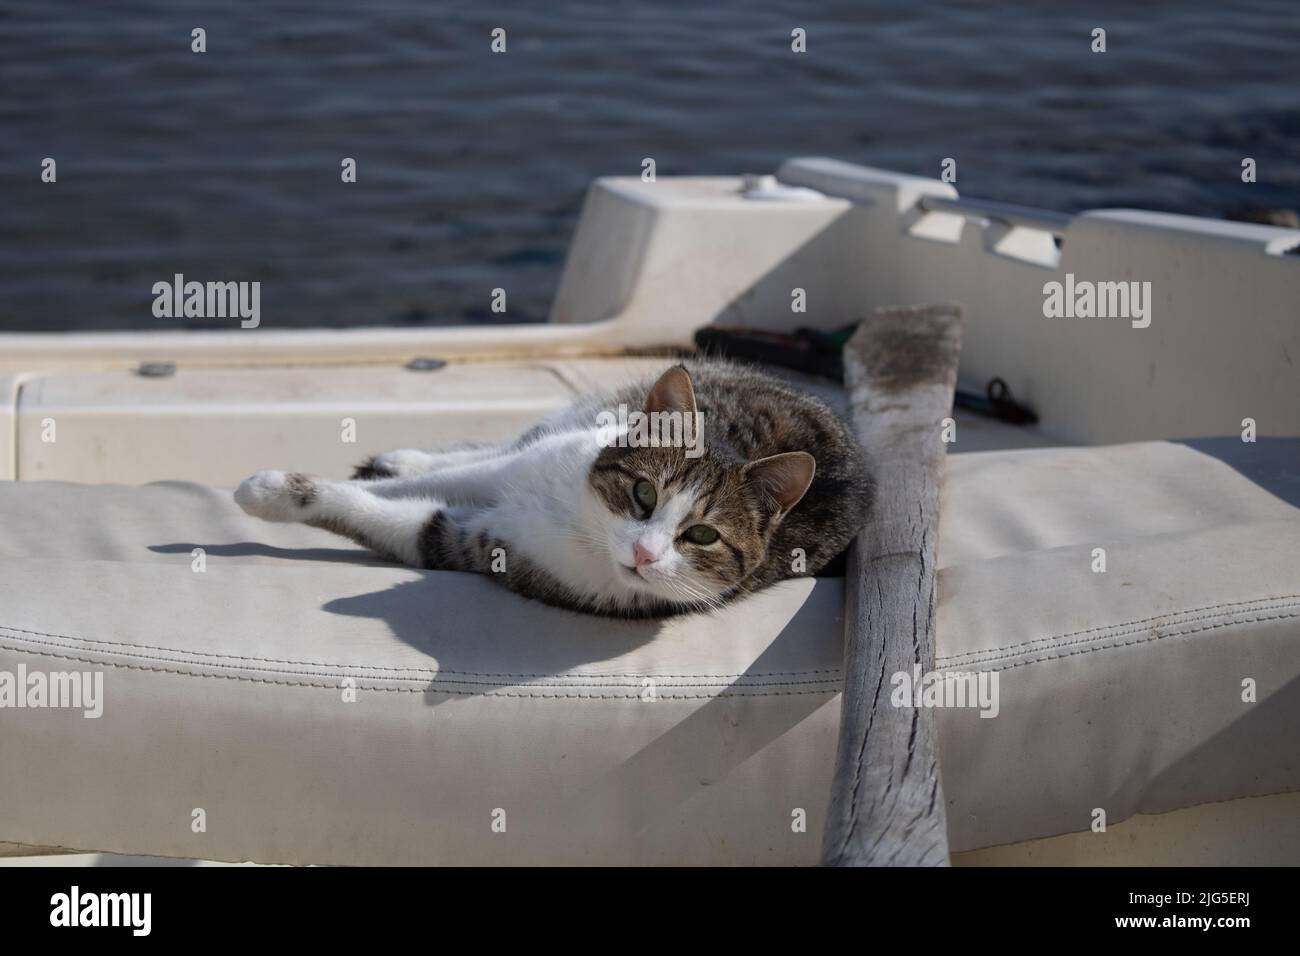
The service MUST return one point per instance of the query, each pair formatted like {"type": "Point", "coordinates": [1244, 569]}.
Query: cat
{"type": "Point", "coordinates": [583, 514]}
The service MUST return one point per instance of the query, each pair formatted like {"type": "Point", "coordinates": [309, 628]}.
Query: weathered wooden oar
{"type": "Point", "coordinates": [887, 805]}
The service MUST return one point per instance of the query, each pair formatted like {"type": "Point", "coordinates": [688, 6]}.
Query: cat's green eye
{"type": "Point", "coordinates": [645, 494]}
{"type": "Point", "coordinates": [701, 534]}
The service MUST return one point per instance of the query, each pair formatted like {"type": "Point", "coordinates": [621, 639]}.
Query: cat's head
{"type": "Point", "coordinates": [688, 524]}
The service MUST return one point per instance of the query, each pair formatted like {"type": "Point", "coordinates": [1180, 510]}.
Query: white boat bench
{"type": "Point", "coordinates": [272, 694]}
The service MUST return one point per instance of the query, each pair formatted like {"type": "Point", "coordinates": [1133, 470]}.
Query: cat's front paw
{"type": "Point", "coordinates": [276, 495]}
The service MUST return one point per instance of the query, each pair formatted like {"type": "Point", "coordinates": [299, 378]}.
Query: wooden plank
{"type": "Point", "coordinates": [887, 805]}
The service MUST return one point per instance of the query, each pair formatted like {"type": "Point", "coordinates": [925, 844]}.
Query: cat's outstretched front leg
{"type": "Point", "coordinates": [421, 532]}
{"type": "Point", "coordinates": [410, 462]}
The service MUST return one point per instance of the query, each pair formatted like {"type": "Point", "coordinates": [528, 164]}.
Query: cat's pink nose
{"type": "Point", "coordinates": [641, 554]}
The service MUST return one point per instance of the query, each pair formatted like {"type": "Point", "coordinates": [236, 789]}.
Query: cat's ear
{"type": "Point", "coordinates": [784, 478]}
{"type": "Point", "coordinates": [672, 393]}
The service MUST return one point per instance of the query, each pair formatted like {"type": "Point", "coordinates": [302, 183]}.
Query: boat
{"type": "Point", "coordinates": [1124, 570]}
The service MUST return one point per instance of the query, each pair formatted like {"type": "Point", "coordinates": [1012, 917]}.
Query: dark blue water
{"type": "Point", "coordinates": [472, 165]}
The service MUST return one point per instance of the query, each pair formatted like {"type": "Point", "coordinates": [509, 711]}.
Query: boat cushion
{"type": "Point", "coordinates": [313, 704]}
{"type": "Point", "coordinates": [1168, 680]}
{"type": "Point", "coordinates": [271, 693]}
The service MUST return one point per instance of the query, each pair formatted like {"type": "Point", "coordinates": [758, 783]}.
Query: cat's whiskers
{"type": "Point", "coordinates": [695, 593]}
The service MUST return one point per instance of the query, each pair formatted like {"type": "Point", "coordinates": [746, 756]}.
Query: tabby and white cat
{"type": "Point", "coordinates": [567, 516]}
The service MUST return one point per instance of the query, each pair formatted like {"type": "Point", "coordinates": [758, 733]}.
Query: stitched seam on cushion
{"type": "Point", "coordinates": [1143, 640]}
{"type": "Point", "coordinates": [418, 690]}
{"type": "Point", "coordinates": [1115, 628]}
{"type": "Point", "coordinates": [434, 676]}
{"type": "Point", "coordinates": [373, 667]}
{"type": "Point", "coordinates": [996, 654]}
{"type": "Point", "coordinates": [653, 677]}
{"type": "Point", "coordinates": [429, 675]}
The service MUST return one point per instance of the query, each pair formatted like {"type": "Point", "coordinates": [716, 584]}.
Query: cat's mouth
{"type": "Point", "coordinates": [642, 582]}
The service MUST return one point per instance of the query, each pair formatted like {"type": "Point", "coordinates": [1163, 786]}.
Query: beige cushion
{"type": "Point", "coordinates": [693, 741]}
{"type": "Point", "coordinates": [1119, 690]}
{"type": "Point", "coordinates": [698, 740]}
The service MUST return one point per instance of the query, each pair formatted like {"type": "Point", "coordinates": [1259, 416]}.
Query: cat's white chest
{"type": "Point", "coordinates": [553, 517]}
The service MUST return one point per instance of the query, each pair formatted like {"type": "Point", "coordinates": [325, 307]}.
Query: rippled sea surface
{"type": "Point", "coordinates": [472, 165]}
